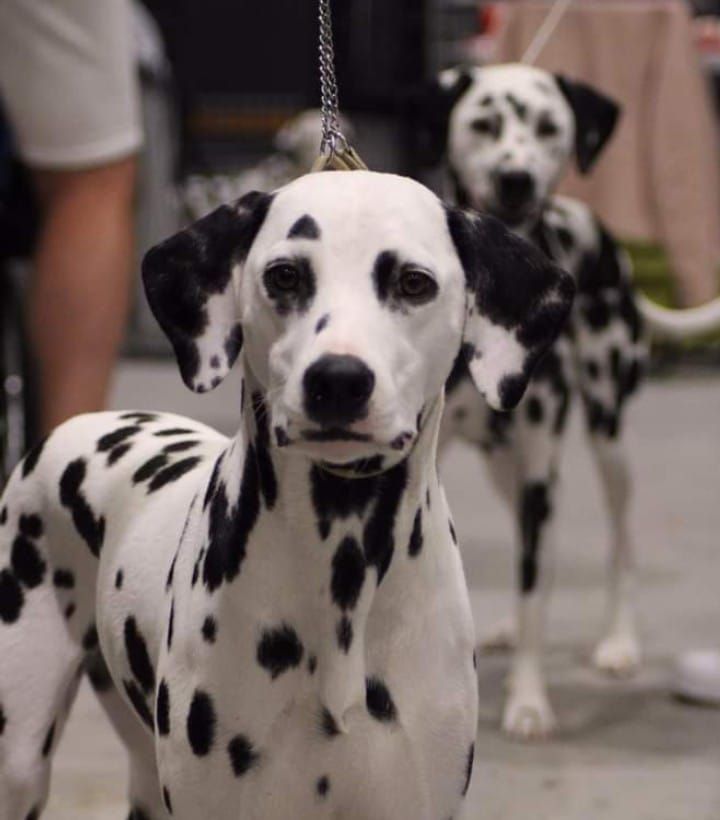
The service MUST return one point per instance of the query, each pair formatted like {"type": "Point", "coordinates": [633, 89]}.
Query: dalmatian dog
{"type": "Point", "coordinates": [277, 624]}
{"type": "Point", "coordinates": [507, 134]}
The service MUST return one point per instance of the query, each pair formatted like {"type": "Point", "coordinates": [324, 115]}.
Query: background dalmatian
{"type": "Point", "coordinates": [277, 624]}
{"type": "Point", "coordinates": [507, 134]}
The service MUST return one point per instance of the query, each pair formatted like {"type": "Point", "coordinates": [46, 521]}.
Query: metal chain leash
{"type": "Point", "coordinates": [335, 151]}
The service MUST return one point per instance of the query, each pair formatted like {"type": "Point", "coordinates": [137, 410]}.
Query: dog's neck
{"type": "Point", "coordinates": [339, 547]}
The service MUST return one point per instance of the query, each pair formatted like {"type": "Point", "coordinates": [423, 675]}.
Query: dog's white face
{"type": "Point", "coordinates": [510, 137]}
{"type": "Point", "coordinates": [353, 293]}
{"type": "Point", "coordinates": [358, 284]}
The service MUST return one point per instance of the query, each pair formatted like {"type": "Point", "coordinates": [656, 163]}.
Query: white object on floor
{"type": "Point", "coordinates": [697, 677]}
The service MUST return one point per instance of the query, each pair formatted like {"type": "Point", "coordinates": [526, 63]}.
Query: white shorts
{"type": "Point", "coordinates": [68, 81]}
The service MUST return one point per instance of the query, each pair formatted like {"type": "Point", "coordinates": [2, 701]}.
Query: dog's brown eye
{"type": "Point", "coordinates": [282, 277]}
{"type": "Point", "coordinates": [415, 285]}
{"type": "Point", "coordinates": [547, 128]}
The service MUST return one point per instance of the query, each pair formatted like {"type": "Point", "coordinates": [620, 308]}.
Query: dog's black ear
{"type": "Point", "coordinates": [432, 107]}
{"type": "Point", "coordinates": [517, 304]}
{"type": "Point", "coordinates": [189, 285]}
{"type": "Point", "coordinates": [595, 119]}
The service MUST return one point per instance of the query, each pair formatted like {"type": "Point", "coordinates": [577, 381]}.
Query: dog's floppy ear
{"type": "Point", "coordinates": [595, 119]}
{"type": "Point", "coordinates": [433, 106]}
{"type": "Point", "coordinates": [517, 304]}
{"type": "Point", "coordinates": [189, 285]}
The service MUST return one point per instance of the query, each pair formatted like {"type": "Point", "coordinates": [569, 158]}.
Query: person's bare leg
{"type": "Point", "coordinates": [81, 286]}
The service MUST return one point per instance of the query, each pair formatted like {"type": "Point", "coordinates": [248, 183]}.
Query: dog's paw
{"type": "Point", "coordinates": [501, 637]}
{"type": "Point", "coordinates": [617, 655]}
{"type": "Point", "coordinates": [528, 716]}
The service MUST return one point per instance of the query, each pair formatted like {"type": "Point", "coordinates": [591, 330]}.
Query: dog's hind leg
{"type": "Point", "coordinates": [147, 800]}
{"type": "Point", "coordinates": [40, 663]}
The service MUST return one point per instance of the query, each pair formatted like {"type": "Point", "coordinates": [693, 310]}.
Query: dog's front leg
{"type": "Point", "coordinates": [528, 713]}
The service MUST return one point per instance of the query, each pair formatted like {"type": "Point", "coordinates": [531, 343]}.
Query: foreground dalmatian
{"type": "Point", "coordinates": [277, 624]}
{"type": "Point", "coordinates": [507, 133]}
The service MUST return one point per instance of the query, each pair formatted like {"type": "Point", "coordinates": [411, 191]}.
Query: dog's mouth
{"type": "Point", "coordinates": [330, 434]}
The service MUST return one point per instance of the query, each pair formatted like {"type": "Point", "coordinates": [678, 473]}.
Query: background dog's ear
{"type": "Point", "coordinates": [189, 285]}
{"type": "Point", "coordinates": [431, 110]}
{"type": "Point", "coordinates": [517, 304]}
{"type": "Point", "coordinates": [595, 119]}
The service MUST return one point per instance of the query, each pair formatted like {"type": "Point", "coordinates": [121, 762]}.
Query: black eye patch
{"type": "Point", "coordinates": [547, 127]}
{"type": "Point", "coordinates": [305, 228]}
{"type": "Point", "coordinates": [401, 285]}
{"type": "Point", "coordinates": [520, 108]}
{"type": "Point", "coordinates": [291, 284]}
{"type": "Point", "coordinates": [490, 126]}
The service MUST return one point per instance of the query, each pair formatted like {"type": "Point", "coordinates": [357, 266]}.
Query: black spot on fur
{"type": "Point", "coordinates": [33, 815]}
{"type": "Point", "coordinates": [98, 672]}
{"type": "Point", "coordinates": [312, 664]}
{"type": "Point", "coordinates": [327, 724]}
{"type": "Point", "coordinates": [209, 629]}
{"type": "Point", "coordinates": [348, 573]}
{"type": "Point", "coordinates": [69, 611]}
{"type": "Point", "coordinates": [345, 634]}
{"type": "Point", "coordinates": [31, 526]}
{"type": "Point", "coordinates": [47, 744]}
{"type": "Point", "coordinates": [138, 656]}
{"type": "Point", "coordinates": [90, 529]}
{"type": "Point", "coordinates": [305, 228]}
{"type": "Point", "coordinates": [229, 530]}
{"type": "Point", "coordinates": [162, 709]}
{"type": "Point", "coordinates": [110, 440]}
{"type": "Point", "coordinates": [534, 512]}
{"type": "Point", "coordinates": [453, 534]}
{"type": "Point", "coordinates": [3, 516]}
{"type": "Point", "coordinates": [520, 108]}
{"type": "Point", "coordinates": [379, 701]}
{"type": "Point", "coordinates": [201, 721]}
{"type": "Point", "coordinates": [468, 769]}
{"type": "Point", "coordinates": [173, 472]}
{"type": "Point", "coordinates": [382, 274]}
{"type": "Point", "coordinates": [32, 458]}
{"type": "Point", "coordinates": [166, 799]}
{"type": "Point", "coordinates": [119, 577]}
{"type": "Point", "coordinates": [379, 532]}
{"type": "Point", "coordinates": [534, 410]}
{"type": "Point", "coordinates": [175, 431]}
{"type": "Point", "coordinates": [212, 484]}
{"type": "Point", "coordinates": [416, 536]}
{"type": "Point", "coordinates": [335, 497]}
{"type": "Point", "coordinates": [90, 638]}
{"type": "Point", "coordinates": [242, 755]}
{"type": "Point", "coordinates": [117, 453]}
{"type": "Point", "coordinates": [3, 721]}
{"type": "Point", "coordinates": [135, 697]}
{"type": "Point", "coordinates": [179, 446]}
{"type": "Point", "coordinates": [171, 624]}
{"type": "Point", "coordinates": [140, 416]}
{"type": "Point", "coordinates": [322, 323]}
{"type": "Point", "coordinates": [279, 649]}
{"type": "Point", "coordinates": [511, 388]}
{"type": "Point", "coordinates": [64, 579]}
{"type": "Point", "coordinates": [28, 566]}
{"type": "Point", "coordinates": [268, 481]}
{"type": "Point", "coordinates": [322, 787]}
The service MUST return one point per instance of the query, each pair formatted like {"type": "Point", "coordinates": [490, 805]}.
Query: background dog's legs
{"type": "Point", "coordinates": [538, 427]}
{"type": "Point", "coordinates": [144, 792]}
{"type": "Point", "coordinates": [618, 652]}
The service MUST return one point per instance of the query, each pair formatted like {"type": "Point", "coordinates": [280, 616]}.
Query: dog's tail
{"type": "Point", "coordinates": [669, 323]}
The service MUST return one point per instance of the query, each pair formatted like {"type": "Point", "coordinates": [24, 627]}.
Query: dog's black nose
{"type": "Point", "coordinates": [515, 189]}
{"type": "Point", "coordinates": [337, 390]}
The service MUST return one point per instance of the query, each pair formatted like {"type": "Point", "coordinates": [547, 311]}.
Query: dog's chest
{"type": "Point", "coordinates": [295, 677]}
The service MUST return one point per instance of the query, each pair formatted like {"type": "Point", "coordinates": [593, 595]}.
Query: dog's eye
{"type": "Point", "coordinates": [547, 128]}
{"type": "Point", "coordinates": [415, 285]}
{"type": "Point", "coordinates": [283, 277]}
{"type": "Point", "coordinates": [482, 126]}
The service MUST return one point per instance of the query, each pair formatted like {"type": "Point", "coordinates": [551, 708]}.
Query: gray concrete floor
{"type": "Point", "coordinates": [625, 750]}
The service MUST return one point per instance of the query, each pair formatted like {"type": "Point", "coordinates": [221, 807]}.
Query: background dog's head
{"type": "Point", "coordinates": [507, 133]}
{"type": "Point", "coordinates": [353, 293]}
